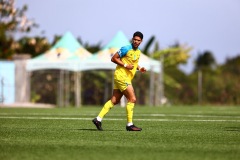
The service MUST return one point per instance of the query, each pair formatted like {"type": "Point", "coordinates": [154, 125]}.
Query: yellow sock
{"type": "Point", "coordinates": [107, 106]}
{"type": "Point", "coordinates": [129, 110]}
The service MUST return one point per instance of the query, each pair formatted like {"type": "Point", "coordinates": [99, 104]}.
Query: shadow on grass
{"type": "Point", "coordinates": [233, 129]}
{"type": "Point", "coordinates": [90, 129]}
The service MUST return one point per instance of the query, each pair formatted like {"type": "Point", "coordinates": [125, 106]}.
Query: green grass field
{"type": "Point", "coordinates": [169, 133]}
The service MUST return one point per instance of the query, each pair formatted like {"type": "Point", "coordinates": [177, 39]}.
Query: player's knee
{"type": "Point", "coordinates": [132, 100]}
{"type": "Point", "coordinates": [115, 101]}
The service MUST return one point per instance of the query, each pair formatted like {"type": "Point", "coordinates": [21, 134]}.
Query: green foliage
{"type": "Point", "coordinates": [232, 65]}
{"type": "Point", "coordinates": [94, 84]}
{"type": "Point", "coordinates": [220, 84]}
{"type": "Point", "coordinates": [140, 84]}
{"type": "Point", "coordinates": [173, 56]}
{"type": "Point", "coordinates": [34, 46]}
{"type": "Point", "coordinates": [184, 92]}
{"type": "Point", "coordinates": [170, 58]}
{"type": "Point", "coordinates": [44, 86]}
{"type": "Point", "coordinates": [226, 82]}
{"type": "Point", "coordinates": [35, 97]}
{"type": "Point", "coordinates": [169, 81]}
{"type": "Point", "coordinates": [6, 50]}
{"type": "Point", "coordinates": [12, 20]}
{"type": "Point", "coordinates": [148, 45]}
{"type": "Point", "coordinates": [205, 60]}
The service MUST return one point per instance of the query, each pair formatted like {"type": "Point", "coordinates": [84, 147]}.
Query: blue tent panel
{"type": "Point", "coordinates": [7, 82]}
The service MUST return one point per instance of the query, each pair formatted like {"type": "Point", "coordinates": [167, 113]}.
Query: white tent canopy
{"type": "Point", "coordinates": [66, 54]}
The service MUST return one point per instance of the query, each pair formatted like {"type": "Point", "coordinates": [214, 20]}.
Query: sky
{"type": "Point", "coordinates": [204, 25]}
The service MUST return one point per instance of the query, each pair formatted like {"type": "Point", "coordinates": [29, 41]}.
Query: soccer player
{"type": "Point", "coordinates": [127, 64]}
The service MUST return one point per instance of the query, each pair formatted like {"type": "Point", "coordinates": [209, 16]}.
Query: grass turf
{"type": "Point", "coordinates": [184, 133]}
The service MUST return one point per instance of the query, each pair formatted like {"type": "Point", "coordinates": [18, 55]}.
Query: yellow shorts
{"type": "Point", "coordinates": [121, 84]}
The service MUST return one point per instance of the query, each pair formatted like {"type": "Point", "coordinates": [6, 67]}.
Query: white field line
{"type": "Point", "coordinates": [119, 115]}
{"type": "Point", "coordinates": [113, 119]}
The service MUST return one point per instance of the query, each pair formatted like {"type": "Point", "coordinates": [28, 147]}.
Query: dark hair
{"type": "Point", "coordinates": [139, 34]}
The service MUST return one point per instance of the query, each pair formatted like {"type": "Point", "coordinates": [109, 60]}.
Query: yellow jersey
{"type": "Point", "coordinates": [128, 56]}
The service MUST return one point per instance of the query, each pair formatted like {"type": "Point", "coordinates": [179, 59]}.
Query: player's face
{"type": "Point", "coordinates": [136, 41]}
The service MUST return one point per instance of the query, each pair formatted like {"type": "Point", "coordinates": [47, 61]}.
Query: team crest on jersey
{"type": "Point", "coordinates": [120, 52]}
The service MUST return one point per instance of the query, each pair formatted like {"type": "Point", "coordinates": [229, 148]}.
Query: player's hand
{"type": "Point", "coordinates": [142, 70]}
{"type": "Point", "coordinates": [129, 66]}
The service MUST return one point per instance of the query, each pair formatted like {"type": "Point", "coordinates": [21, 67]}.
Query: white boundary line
{"type": "Point", "coordinates": [112, 119]}
{"type": "Point", "coordinates": [143, 115]}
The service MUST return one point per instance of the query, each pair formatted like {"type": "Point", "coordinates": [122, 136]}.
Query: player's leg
{"type": "Point", "coordinates": [131, 98]}
{"type": "Point", "coordinates": [117, 94]}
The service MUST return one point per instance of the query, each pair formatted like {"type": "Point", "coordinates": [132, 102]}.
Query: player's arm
{"type": "Point", "coordinates": [116, 59]}
{"type": "Point", "coordinates": [141, 69]}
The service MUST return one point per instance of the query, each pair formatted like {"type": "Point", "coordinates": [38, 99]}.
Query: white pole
{"type": "Point", "coordinates": [151, 90]}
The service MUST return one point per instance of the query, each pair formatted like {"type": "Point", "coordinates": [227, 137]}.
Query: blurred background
{"type": "Point", "coordinates": [195, 42]}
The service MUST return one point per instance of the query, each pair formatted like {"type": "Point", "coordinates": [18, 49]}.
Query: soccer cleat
{"type": "Point", "coordinates": [98, 124]}
{"type": "Point", "coordinates": [133, 128]}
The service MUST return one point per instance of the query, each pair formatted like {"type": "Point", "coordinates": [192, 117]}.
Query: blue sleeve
{"type": "Point", "coordinates": [123, 51]}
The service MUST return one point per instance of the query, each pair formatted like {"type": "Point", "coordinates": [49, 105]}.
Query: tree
{"type": "Point", "coordinates": [205, 60]}
{"type": "Point", "coordinates": [149, 43]}
{"type": "Point", "coordinates": [12, 20]}
{"type": "Point", "coordinates": [172, 57]}
{"type": "Point", "coordinates": [232, 65]}
{"type": "Point", "coordinates": [230, 79]}
{"type": "Point", "coordinates": [34, 45]}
